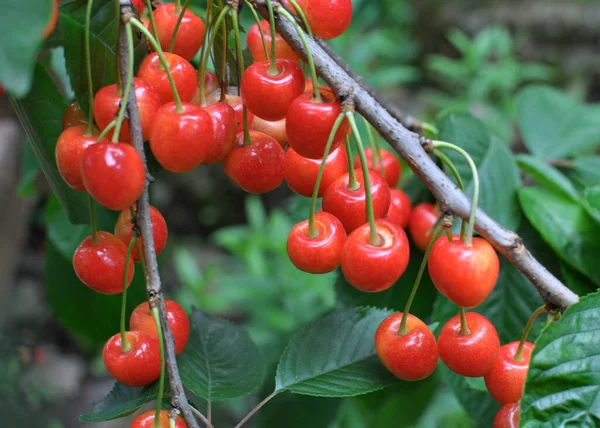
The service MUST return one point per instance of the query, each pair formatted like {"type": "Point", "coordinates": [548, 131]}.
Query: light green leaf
{"type": "Point", "coordinates": [547, 176]}
{"type": "Point", "coordinates": [592, 201]}
{"type": "Point", "coordinates": [587, 170]}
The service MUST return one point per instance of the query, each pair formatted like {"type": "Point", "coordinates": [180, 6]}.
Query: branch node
{"type": "Point", "coordinates": [426, 143]}
{"type": "Point", "coordinates": [447, 220]}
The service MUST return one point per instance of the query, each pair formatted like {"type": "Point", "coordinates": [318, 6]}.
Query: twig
{"type": "Point", "coordinates": [202, 417]}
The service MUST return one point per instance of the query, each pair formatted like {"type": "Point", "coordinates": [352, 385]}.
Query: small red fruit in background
{"type": "Point", "coordinates": [190, 34]}
{"type": "Point", "coordinates": [73, 116]}
{"type": "Point", "coordinates": [53, 20]}
{"type": "Point", "coordinates": [211, 84]}
{"type": "Point", "coordinates": [101, 266]}
{"type": "Point", "coordinates": [142, 320]}
{"type": "Point", "coordinates": [254, 42]}
{"type": "Point", "coordinates": [412, 356]}
{"type": "Point", "coordinates": [387, 165]}
{"type": "Point", "coordinates": [238, 107]}
{"type": "Point", "coordinates": [400, 208]}
{"type": "Point", "coordinates": [506, 379]}
{"type": "Point", "coordinates": [507, 416]}
{"type": "Point", "coordinates": [184, 76]}
{"type": "Point", "coordinates": [224, 131]}
{"type": "Point", "coordinates": [328, 18]}
{"type": "Point", "coordinates": [140, 365]}
{"type": "Point", "coordinates": [274, 129]}
{"type": "Point", "coordinates": [70, 146]}
{"type": "Point", "coordinates": [140, 5]}
{"type": "Point", "coordinates": [301, 173]}
{"type": "Point", "coordinates": [146, 420]}
{"type": "Point", "coordinates": [422, 220]}
{"type": "Point", "coordinates": [124, 231]}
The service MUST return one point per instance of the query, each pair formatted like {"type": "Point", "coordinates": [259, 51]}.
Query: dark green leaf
{"type": "Point", "coordinates": [592, 201]}
{"type": "Point", "coordinates": [587, 170]}
{"type": "Point", "coordinates": [298, 411]}
{"type": "Point", "coordinates": [577, 282]}
{"type": "Point", "coordinates": [30, 168]}
{"type": "Point", "coordinates": [547, 176]}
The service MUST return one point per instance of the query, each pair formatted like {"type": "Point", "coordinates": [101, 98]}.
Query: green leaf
{"type": "Point", "coordinates": [220, 360]}
{"type": "Point", "coordinates": [30, 169]}
{"type": "Point", "coordinates": [334, 356]}
{"type": "Point", "coordinates": [587, 170]}
{"type": "Point", "coordinates": [293, 411]}
{"type": "Point", "coordinates": [592, 201]}
{"type": "Point", "coordinates": [563, 383]}
{"type": "Point", "coordinates": [547, 176]}
{"type": "Point", "coordinates": [577, 282]}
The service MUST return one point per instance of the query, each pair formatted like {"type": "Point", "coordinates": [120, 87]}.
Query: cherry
{"type": "Point", "coordinates": [101, 266]}
{"type": "Point", "coordinates": [238, 107]}
{"type": "Point", "coordinates": [73, 116]}
{"type": "Point", "coordinates": [301, 173]}
{"type": "Point", "coordinates": [420, 225]}
{"type": "Point", "coordinates": [301, 3]}
{"type": "Point", "coordinates": [181, 141]}
{"type": "Point", "coordinates": [254, 42]}
{"type": "Point", "coordinates": [142, 320]}
{"type": "Point", "coordinates": [374, 268]}
{"type": "Point", "coordinates": [411, 356]}
{"type": "Point", "coordinates": [189, 36]}
{"type": "Point", "coordinates": [464, 274]}
{"type": "Point", "coordinates": [211, 84]}
{"type": "Point", "coordinates": [472, 354]}
{"type": "Point", "coordinates": [349, 205]}
{"type": "Point", "coordinates": [274, 129]}
{"type": "Point", "coordinates": [328, 18]}
{"type": "Point", "coordinates": [146, 420]}
{"type": "Point", "coordinates": [224, 130]}
{"type": "Point", "coordinates": [107, 102]}
{"type": "Point", "coordinates": [507, 416]}
{"type": "Point", "coordinates": [387, 165]}
{"type": "Point", "coordinates": [258, 167]}
{"type": "Point", "coordinates": [184, 76]}
{"type": "Point", "coordinates": [70, 146]}
{"type": "Point", "coordinates": [400, 208]}
{"type": "Point", "coordinates": [140, 5]}
{"type": "Point", "coordinates": [309, 123]}
{"type": "Point", "coordinates": [53, 20]}
{"type": "Point", "coordinates": [124, 231]}
{"type": "Point", "coordinates": [140, 365]}
{"type": "Point", "coordinates": [113, 173]}
{"type": "Point", "coordinates": [321, 253]}
{"type": "Point", "coordinates": [506, 379]}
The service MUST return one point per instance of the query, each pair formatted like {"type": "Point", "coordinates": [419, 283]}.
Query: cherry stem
{"type": "Point", "coordinates": [163, 61]}
{"type": "Point", "coordinates": [93, 221]}
{"type": "Point", "coordinates": [256, 409]}
{"type": "Point", "coordinates": [450, 165]}
{"type": "Point", "coordinates": [151, 17]}
{"type": "Point", "coordinates": [302, 16]}
{"type": "Point", "coordinates": [125, 345]}
{"type": "Point", "coordinates": [177, 5]}
{"type": "Point", "coordinates": [444, 145]}
{"type": "Point", "coordinates": [464, 328]}
{"type": "Point", "coordinates": [88, 67]}
{"type": "Point", "coordinates": [376, 158]}
{"type": "Point", "coordinates": [241, 68]}
{"type": "Point", "coordinates": [536, 313]}
{"type": "Point", "coordinates": [309, 56]}
{"type": "Point", "coordinates": [206, 53]}
{"type": "Point", "coordinates": [127, 89]}
{"type": "Point", "coordinates": [312, 231]}
{"type": "Point", "coordinates": [179, 19]}
{"type": "Point", "coordinates": [161, 381]}
{"type": "Point", "coordinates": [171, 423]}
{"type": "Point", "coordinates": [106, 130]}
{"type": "Point", "coordinates": [260, 30]}
{"type": "Point", "coordinates": [224, 68]}
{"type": "Point", "coordinates": [117, 63]}
{"type": "Point", "coordinates": [403, 329]}
{"type": "Point", "coordinates": [273, 67]}
{"type": "Point", "coordinates": [353, 183]}
{"type": "Point", "coordinates": [429, 130]}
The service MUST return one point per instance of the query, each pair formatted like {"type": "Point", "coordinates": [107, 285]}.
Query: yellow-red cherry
{"type": "Point", "coordinates": [400, 208]}
{"type": "Point", "coordinates": [507, 416]}
{"type": "Point", "coordinates": [328, 18]}
{"type": "Point", "coordinates": [73, 116]}
{"type": "Point", "coordinates": [146, 420]}
{"type": "Point", "coordinates": [140, 365]}
{"type": "Point", "coordinates": [274, 129]}
{"type": "Point", "coordinates": [301, 173]}
{"type": "Point", "coordinates": [506, 380]}
{"type": "Point", "coordinates": [254, 42]}
{"type": "Point", "coordinates": [142, 320]}
{"type": "Point", "coordinates": [238, 107]}
{"type": "Point", "coordinates": [387, 165]}
{"type": "Point", "coordinates": [184, 76]}
{"type": "Point", "coordinates": [70, 146]}
{"type": "Point", "coordinates": [124, 231]}
{"type": "Point", "coordinates": [420, 226]}
{"type": "Point", "coordinates": [224, 131]}
{"type": "Point", "coordinates": [190, 34]}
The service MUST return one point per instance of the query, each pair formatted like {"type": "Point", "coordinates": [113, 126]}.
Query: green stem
{"type": "Point", "coordinates": [93, 221]}
{"type": "Point", "coordinates": [118, 30]}
{"type": "Point", "coordinates": [224, 59]}
{"type": "Point", "coordinates": [161, 381]}
{"type": "Point", "coordinates": [273, 67]}
{"type": "Point", "coordinates": [241, 68]}
{"type": "Point", "coordinates": [260, 30]}
{"type": "Point", "coordinates": [376, 158]}
{"type": "Point", "coordinates": [128, 83]}
{"type": "Point", "coordinates": [536, 313]}
{"type": "Point", "coordinates": [179, 19]}
{"type": "Point", "coordinates": [353, 183]}
{"type": "Point", "coordinates": [106, 130]}
{"type": "Point", "coordinates": [302, 16]}
{"type": "Point", "coordinates": [177, 5]}
{"type": "Point", "coordinates": [172, 423]}
{"type": "Point", "coordinates": [206, 53]}
{"type": "Point", "coordinates": [429, 130]}
{"type": "Point", "coordinates": [151, 16]}
{"type": "Point", "coordinates": [88, 68]}
{"type": "Point", "coordinates": [126, 346]}
{"type": "Point", "coordinates": [446, 161]}
{"type": "Point", "coordinates": [464, 328]}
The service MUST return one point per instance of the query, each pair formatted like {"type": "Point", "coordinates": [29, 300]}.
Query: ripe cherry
{"type": "Point", "coordinates": [124, 231]}
{"type": "Point", "coordinates": [181, 141]}
{"type": "Point", "coordinates": [73, 116]}
{"type": "Point", "coordinates": [238, 107]}
{"type": "Point", "coordinates": [507, 416]}
{"type": "Point", "coordinates": [420, 225]}
{"type": "Point", "coordinates": [472, 354]}
{"type": "Point", "coordinates": [146, 420]}
{"type": "Point", "coordinates": [321, 253]}
{"type": "Point", "coordinates": [254, 42]}
{"type": "Point", "coordinates": [301, 3]}
{"type": "Point", "coordinates": [70, 146]}
{"type": "Point", "coordinates": [349, 205]}
{"type": "Point", "coordinates": [107, 102]}
{"type": "Point", "coordinates": [52, 21]}
{"type": "Point", "coordinates": [400, 208]}
{"type": "Point", "coordinates": [309, 123]}
{"type": "Point", "coordinates": [465, 274]}
{"type": "Point", "coordinates": [506, 379]}
{"type": "Point", "coordinates": [387, 165]}
{"type": "Point", "coordinates": [189, 36]}
{"type": "Point", "coordinates": [142, 320]}
{"type": "Point", "coordinates": [329, 18]}
{"type": "Point", "coordinates": [411, 356]}
{"type": "Point", "coordinates": [224, 130]}
{"type": "Point", "coordinates": [258, 167]}
{"type": "Point", "coordinates": [101, 266]}
{"type": "Point", "coordinates": [184, 76]}
{"type": "Point", "coordinates": [374, 268]}
{"type": "Point", "coordinates": [301, 173]}
{"type": "Point", "coordinates": [274, 129]}
{"type": "Point", "coordinates": [140, 5]}
{"type": "Point", "coordinates": [113, 173]}
{"type": "Point", "coordinates": [140, 365]}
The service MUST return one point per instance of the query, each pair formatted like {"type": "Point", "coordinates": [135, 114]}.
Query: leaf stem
{"type": "Point", "coordinates": [179, 19]}
{"type": "Point", "coordinates": [127, 89]}
{"type": "Point", "coordinates": [93, 221]}
{"type": "Point", "coordinates": [446, 161]}
{"type": "Point", "coordinates": [256, 409]}
{"type": "Point", "coordinates": [536, 313]}
{"type": "Point", "coordinates": [126, 346]}
{"type": "Point", "coordinates": [88, 68]}
{"type": "Point", "coordinates": [273, 67]}
{"type": "Point", "coordinates": [241, 69]}
{"type": "Point", "coordinates": [161, 381]}
{"type": "Point", "coordinates": [206, 53]}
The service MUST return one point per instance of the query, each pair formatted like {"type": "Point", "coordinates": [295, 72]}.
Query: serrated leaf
{"type": "Point", "coordinates": [547, 176]}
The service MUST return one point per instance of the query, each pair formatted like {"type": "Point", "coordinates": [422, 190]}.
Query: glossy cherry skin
{"type": "Point", "coordinates": [101, 266]}
{"type": "Point", "coordinates": [506, 379]}
{"type": "Point", "coordinates": [274, 129]}
{"type": "Point", "coordinates": [420, 225]}
{"type": "Point", "coordinates": [254, 42]}
{"type": "Point", "coordinates": [146, 420]}
{"type": "Point", "coordinates": [142, 320]}
{"type": "Point", "coordinates": [472, 354]}
{"type": "Point", "coordinates": [309, 123]}
{"type": "Point", "coordinates": [140, 366]}
{"type": "Point", "coordinates": [181, 141]}
{"type": "Point", "coordinates": [373, 268]}
{"type": "Point", "coordinates": [320, 254]}
{"type": "Point", "coordinates": [349, 206]}
{"type": "Point", "coordinates": [70, 146]}
{"type": "Point", "coordinates": [211, 84]}
{"type": "Point", "coordinates": [301, 3]}
{"type": "Point", "coordinates": [466, 275]}
{"type": "Point", "coordinates": [52, 21]}
{"type": "Point", "coordinates": [124, 231]}
{"type": "Point", "coordinates": [507, 416]}
{"type": "Point", "coordinates": [267, 95]}
{"type": "Point", "coordinates": [301, 173]}
{"type": "Point", "coordinates": [189, 36]}
{"type": "Point", "coordinates": [113, 173]}
{"type": "Point", "coordinates": [224, 130]}
{"type": "Point", "coordinates": [400, 208]}
{"type": "Point", "coordinates": [412, 356]}
{"type": "Point", "coordinates": [184, 76]}
{"type": "Point", "coordinates": [238, 107]}
{"type": "Point", "coordinates": [388, 165]}
{"type": "Point", "coordinates": [73, 116]}
{"type": "Point", "coordinates": [258, 167]}
{"type": "Point", "coordinates": [328, 18]}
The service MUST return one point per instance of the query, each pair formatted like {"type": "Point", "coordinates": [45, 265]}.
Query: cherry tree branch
{"type": "Point", "coordinates": [409, 147]}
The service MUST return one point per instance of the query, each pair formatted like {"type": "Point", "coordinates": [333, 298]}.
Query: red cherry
{"type": "Point", "coordinates": [472, 354]}
{"type": "Point", "coordinates": [400, 208]}
{"type": "Point", "coordinates": [184, 76]}
{"type": "Point", "coordinates": [301, 173]}
{"type": "Point", "coordinates": [53, 20]}
{"type": "Point", "coordinates": [373, 268]}
{"type": "Point", "coordinates": [269, 95]}
{"type": "Point", "coordinates": [464, 274]}
{"type": "Point", "coordinates": [319, 254]}
{"type": "Point", "coordinates": [73, 116]}
{"type": "Point", "coordinates": [506, 379]}
{"type": "Point", "coordinates": [349, 206]}
{"type": "Point", "coordinates": [274, 129]}
{"type": "Point", "coordinates": [211, 84]}
{"type": "Point", "coordinates": [224, 130]}
{"type": "Point", "coordinates": [387, 165]}
{"type": "Point", "coordinates": [254, 42]}
{"type": "Point", "coordinates": [328, 18]}
{"type": "Point", "coordinates": [113, 173]}
{"type": "Point", "coordinates": [421, 223]}
{"type": "Point", "coordinates": [146, 420]}
{"type": "Point", "coordinates": [124, 227]}
{"type": "Point", "coordinates": [181, 141]}
{"type": "Point", "coordinates": [258, 167]}
{"type": "Point", "coordinates": [140, 5]}
{"type": "Point", "coordinates": [101, 266]}
{"type": "Point", "coordinates": [107, 102]}
{"type": "Point", "coordinates": [140, 366]}
{"type": "Point", "coordinates": [189, 36]}
{"type": "Point", "coordinates": [238, 107]}
{"type": "Point", "coordinates": [70, 146]}
{"type": "Point", "coordinates": [309, 123]}
{"type": "Point", "coordinates": [301, 3]}
{"type": "Point", "coordinates": [507, 416]}
{"type": "Point", "coordinates": [142, 320]}
{"type": "Point", "coordinates": [412, 356]}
